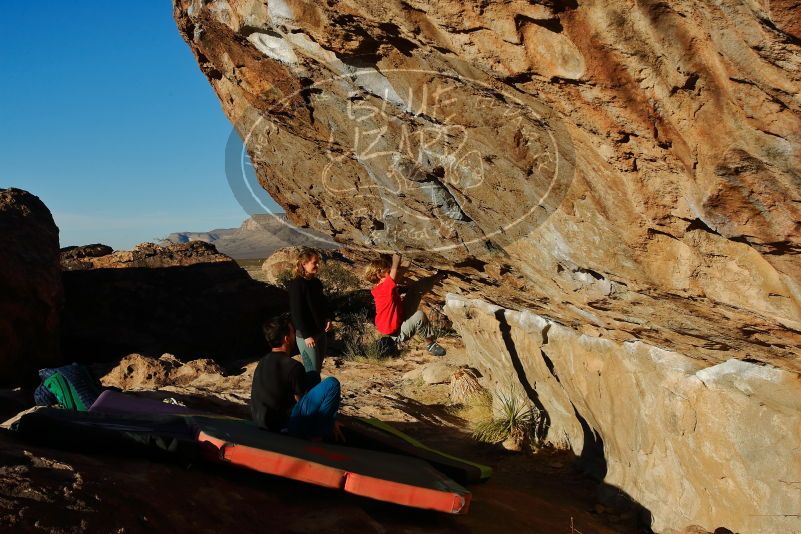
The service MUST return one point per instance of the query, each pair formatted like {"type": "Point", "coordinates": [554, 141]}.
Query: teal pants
{"type": "Point", "coordinates": [313, 356]}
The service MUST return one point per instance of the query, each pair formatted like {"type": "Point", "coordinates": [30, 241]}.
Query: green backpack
{"type": "Point", "coordinates": [72, 387]}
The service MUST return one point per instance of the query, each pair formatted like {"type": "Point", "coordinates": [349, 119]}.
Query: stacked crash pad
{"type": "Point", "coordinates": [116, 420]}
{"type": "Point", "coordinates": [361, 432]}
{"type": "Point", "coordinates": [377, 475]}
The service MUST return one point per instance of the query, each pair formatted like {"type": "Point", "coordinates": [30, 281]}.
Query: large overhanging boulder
{"type": "Point", "coordinates": [628, 171]}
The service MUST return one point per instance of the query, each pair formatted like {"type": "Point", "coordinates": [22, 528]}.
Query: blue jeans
{"type": "Point", "coordinates": [314, 414]}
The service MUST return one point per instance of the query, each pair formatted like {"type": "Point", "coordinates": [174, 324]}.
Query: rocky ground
{"type": "Point", "coordinates": [50, 490]}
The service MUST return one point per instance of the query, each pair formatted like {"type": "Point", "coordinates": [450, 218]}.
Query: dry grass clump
{"type": "Point", "coordinates": [478, 409]}
{"type": "Point", "coordinates": [464, 387]}
{"type": "Point", "coordinates": [513, 424]}
{"type": "Point", "coordinates": [360, 338]}
{"type": "Point", "coordinates": [338, 280]}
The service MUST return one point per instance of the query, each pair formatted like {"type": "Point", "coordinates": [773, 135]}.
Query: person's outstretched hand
{"type": "Point", "coordinates": [328, 326]}
{"type": "Point", "coordinates": [310, 342]}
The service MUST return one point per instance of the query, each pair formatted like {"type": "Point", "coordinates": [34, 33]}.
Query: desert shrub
{"type": "Point", "coordinates": [337, 279]}
{"type": "Point", "coordinates": [515, 419]}
{"type": "Point", "coordinates": [360, 339]}
{"type": "Point", "coordinates": [283, 278]}
{"type": "Point", "coordinates": [360, 301]}
{"type": "Point", "coordinates": [344, 291]}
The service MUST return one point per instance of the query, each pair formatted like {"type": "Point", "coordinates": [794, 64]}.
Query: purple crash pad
{"type": "Point", "coordinates": [114, 402]}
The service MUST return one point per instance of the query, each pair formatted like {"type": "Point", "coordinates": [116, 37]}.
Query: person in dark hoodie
{"type": "Point", "coordinates": [285, 398]}
{"type": "Point", "coordinates": [309, 309]}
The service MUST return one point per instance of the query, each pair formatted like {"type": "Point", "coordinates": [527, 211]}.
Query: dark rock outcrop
{"type": "Point", "coordinates": [80, 257]}
{"type": "Point", "coordinates": [187, 299]}
{"type": "Point", "coordinates": [30, 287]}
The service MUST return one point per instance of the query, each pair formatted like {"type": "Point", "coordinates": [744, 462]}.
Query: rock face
{"type": "Point", "coordinates": [691, 443]}
{"type": "Point", "coordinates": [627, 172]}
{"type": "Point", "coordinates": [81, 257]}
{"type": "Point", "coordinates": [284, 259]}
{"type": "Point", "coordinates": [188, 300]}
{"type": "Point", "coordinates": [143, 256]}
{"type": "Point", "coordinates": [31, 294]}
{"type": "Point", "coordinates": [281, 261]}
{"type": "Point", "coordinates": [663, 171]}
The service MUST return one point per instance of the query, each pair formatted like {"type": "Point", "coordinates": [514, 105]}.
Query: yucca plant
{"type": "Point", "coordinates": [512, 424]}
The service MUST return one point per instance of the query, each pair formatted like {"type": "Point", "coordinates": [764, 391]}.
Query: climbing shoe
{"type": "Point", "coordinates": [436, 349]}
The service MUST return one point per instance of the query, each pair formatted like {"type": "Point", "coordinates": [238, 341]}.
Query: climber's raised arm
{"type": "Point", "coordinates": [393, 270]}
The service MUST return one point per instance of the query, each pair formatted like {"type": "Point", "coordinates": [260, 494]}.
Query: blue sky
{"type": "Point", "coordinates": [107, 118]}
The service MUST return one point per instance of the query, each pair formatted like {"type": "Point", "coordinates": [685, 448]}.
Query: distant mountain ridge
{"type": "Point", "coordinates": [258, 237]}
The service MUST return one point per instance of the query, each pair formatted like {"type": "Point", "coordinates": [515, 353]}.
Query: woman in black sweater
{"type": "Point", "coordinates": [309, 310]}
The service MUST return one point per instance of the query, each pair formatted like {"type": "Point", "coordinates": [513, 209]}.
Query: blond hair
{"type": "Point", "coordinates": [304, 256]}
{"type": "Point", "coordinates": [375, 270]}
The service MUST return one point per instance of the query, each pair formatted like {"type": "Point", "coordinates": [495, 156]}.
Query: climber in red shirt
{"type": "Point", "coordinates": [395, 315]}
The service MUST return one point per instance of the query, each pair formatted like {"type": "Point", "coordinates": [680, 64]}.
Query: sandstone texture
{"type": "Point", "coordinates": [625, 171]}
{"type": "Point", "coordinates": [144, 255]}
{"type": "Point", "coordinates": [79, 257]}
{"type": "Point", "coordinates": [279, 263]}
{"type": "Point", "coordinates": [31, 294]}
{"type": "Point", "coordinates": [671, 202]}
{"type": "Point", "coordinates": [437, 372]}
{"type": "Point", "coordinates": [185, 299]}
{"type": "Point", "coordinates": [282, 262]}
{"type": "Point", "coordinates": [693, 444]}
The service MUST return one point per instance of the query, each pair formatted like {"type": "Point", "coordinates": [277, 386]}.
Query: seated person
{"type": "Point", "coordinates": [398, 316]}
{"type": "Point", "coordinates": [284, 398]}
